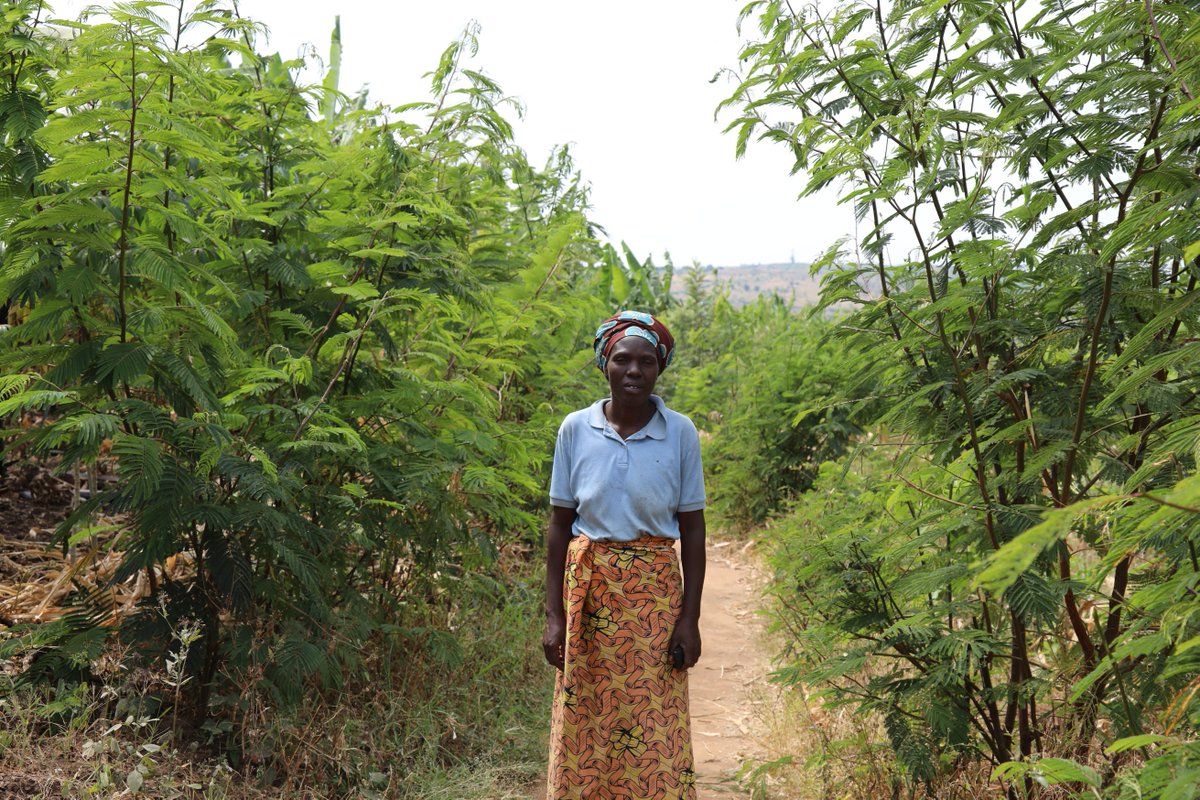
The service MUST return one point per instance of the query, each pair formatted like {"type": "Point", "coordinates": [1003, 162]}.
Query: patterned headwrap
{"type": "Point", "coordinates": [633, 323]}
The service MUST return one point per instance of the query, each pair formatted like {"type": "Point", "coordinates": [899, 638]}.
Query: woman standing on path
{"type": "Point", "coordinates": [621, 629]}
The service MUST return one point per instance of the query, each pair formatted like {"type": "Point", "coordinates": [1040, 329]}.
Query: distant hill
{"type": "Point", "coordinates": [749, 281]}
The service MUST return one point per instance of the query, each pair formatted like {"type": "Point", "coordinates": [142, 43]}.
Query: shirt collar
{"type": "Point", "coordinates": [656, 428]}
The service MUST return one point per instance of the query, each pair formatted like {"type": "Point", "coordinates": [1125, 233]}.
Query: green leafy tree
{"type": "Point", "coordinates": [1030, 572]}
{"type": "Point", "coordinates": [742, 373]}
{"type": "Point", "coordinates": [24, 83]}
{"type": "Point", "coordinates": [326, 354]}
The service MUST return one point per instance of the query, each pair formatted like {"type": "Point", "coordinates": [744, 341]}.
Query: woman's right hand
{"type": "Point", "coordinates": [554, 640]}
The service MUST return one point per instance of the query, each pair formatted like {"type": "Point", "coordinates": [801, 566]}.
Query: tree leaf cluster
{"type": "Point", "coordinates": [321, 346]}
{"type": "Point", "coordinates": [743, 374]}
{"type": "Point", "coordinates": [1016, 582]}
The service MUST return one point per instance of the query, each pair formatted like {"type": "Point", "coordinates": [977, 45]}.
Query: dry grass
{"type": "Point", "coordinates": [62, 747]}
{"type": "Point", "coordinates": [415, 721]}
{"type": "Point", "coordinates": [817, 753]}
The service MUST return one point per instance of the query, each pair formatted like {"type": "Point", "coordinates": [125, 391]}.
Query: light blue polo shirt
{"type": "Point", "coordinates": [623, 489]}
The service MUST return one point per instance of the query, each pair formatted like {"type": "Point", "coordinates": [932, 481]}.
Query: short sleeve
{"type": "Point", "coordinates": [691, 471]}
{"type": "Point", "coordinates": [560, 474]}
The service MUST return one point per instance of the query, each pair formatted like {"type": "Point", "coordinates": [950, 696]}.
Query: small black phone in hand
{"type": "Point", "coordinates": [677, 656]}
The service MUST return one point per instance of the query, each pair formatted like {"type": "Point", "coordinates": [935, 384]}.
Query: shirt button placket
{"type": "Point", "coordinates": [623, 456]}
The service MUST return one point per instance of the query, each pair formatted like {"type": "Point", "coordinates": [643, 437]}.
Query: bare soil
{"type": "Point", "coordinates": [727, 686]}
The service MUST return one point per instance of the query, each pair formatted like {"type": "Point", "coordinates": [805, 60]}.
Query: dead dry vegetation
{"type": "Point", "coordinates": [117, 730]}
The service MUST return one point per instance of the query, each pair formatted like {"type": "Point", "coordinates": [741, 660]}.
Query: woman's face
{"type": "Point", "coordinates": [632, 369]}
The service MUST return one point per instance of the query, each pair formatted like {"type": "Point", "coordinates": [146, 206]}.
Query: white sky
{"type": "Point", "coordinates": [625, 83]}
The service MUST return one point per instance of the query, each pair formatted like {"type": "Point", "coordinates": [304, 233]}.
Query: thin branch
{"type": "Point", "coordinates": [337, 373]}
{"type": "Point", "coordinates": [928, 493]}
{"type": "Point", "coordinates": [1162, 45]}
{"type": "Point", "coordinates": [1162, 502]}
{"type": "Point", "coordinates": [123, 240]}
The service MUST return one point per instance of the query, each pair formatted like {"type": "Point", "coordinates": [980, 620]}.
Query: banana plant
{"type": "Point", "coordinates": [631, 283]}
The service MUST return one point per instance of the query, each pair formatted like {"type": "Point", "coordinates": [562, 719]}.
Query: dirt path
{"type": "Point", "coordinates": [727, 687]}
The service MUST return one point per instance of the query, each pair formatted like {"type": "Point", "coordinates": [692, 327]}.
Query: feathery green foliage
{"type": "Point", "coordinates": [1018, 579]}
{"type": "Point", "coordinates": [743, 374]}
{"type": "Point", "coordinates": [325, 352]}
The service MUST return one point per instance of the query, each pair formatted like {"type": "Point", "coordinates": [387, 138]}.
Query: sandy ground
{"type": "Point", "coordinates": [728, 686]}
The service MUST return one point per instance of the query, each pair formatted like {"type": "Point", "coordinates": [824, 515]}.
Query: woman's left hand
{"type": "Point", "coordinates": [687, 636]}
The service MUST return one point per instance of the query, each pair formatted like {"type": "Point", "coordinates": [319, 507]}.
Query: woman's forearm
{"type": "Point", "coordinates": [558, 537]}
{"type": "Point", "coordinates": [691, 546]}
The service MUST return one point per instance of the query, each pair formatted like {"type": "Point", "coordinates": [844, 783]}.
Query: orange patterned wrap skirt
{"type": "Point", "coordinates": [620, 728]}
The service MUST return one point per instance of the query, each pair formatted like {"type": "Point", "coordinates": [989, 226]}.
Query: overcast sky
{"type": "Point", "coordinates": [626, 83]}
